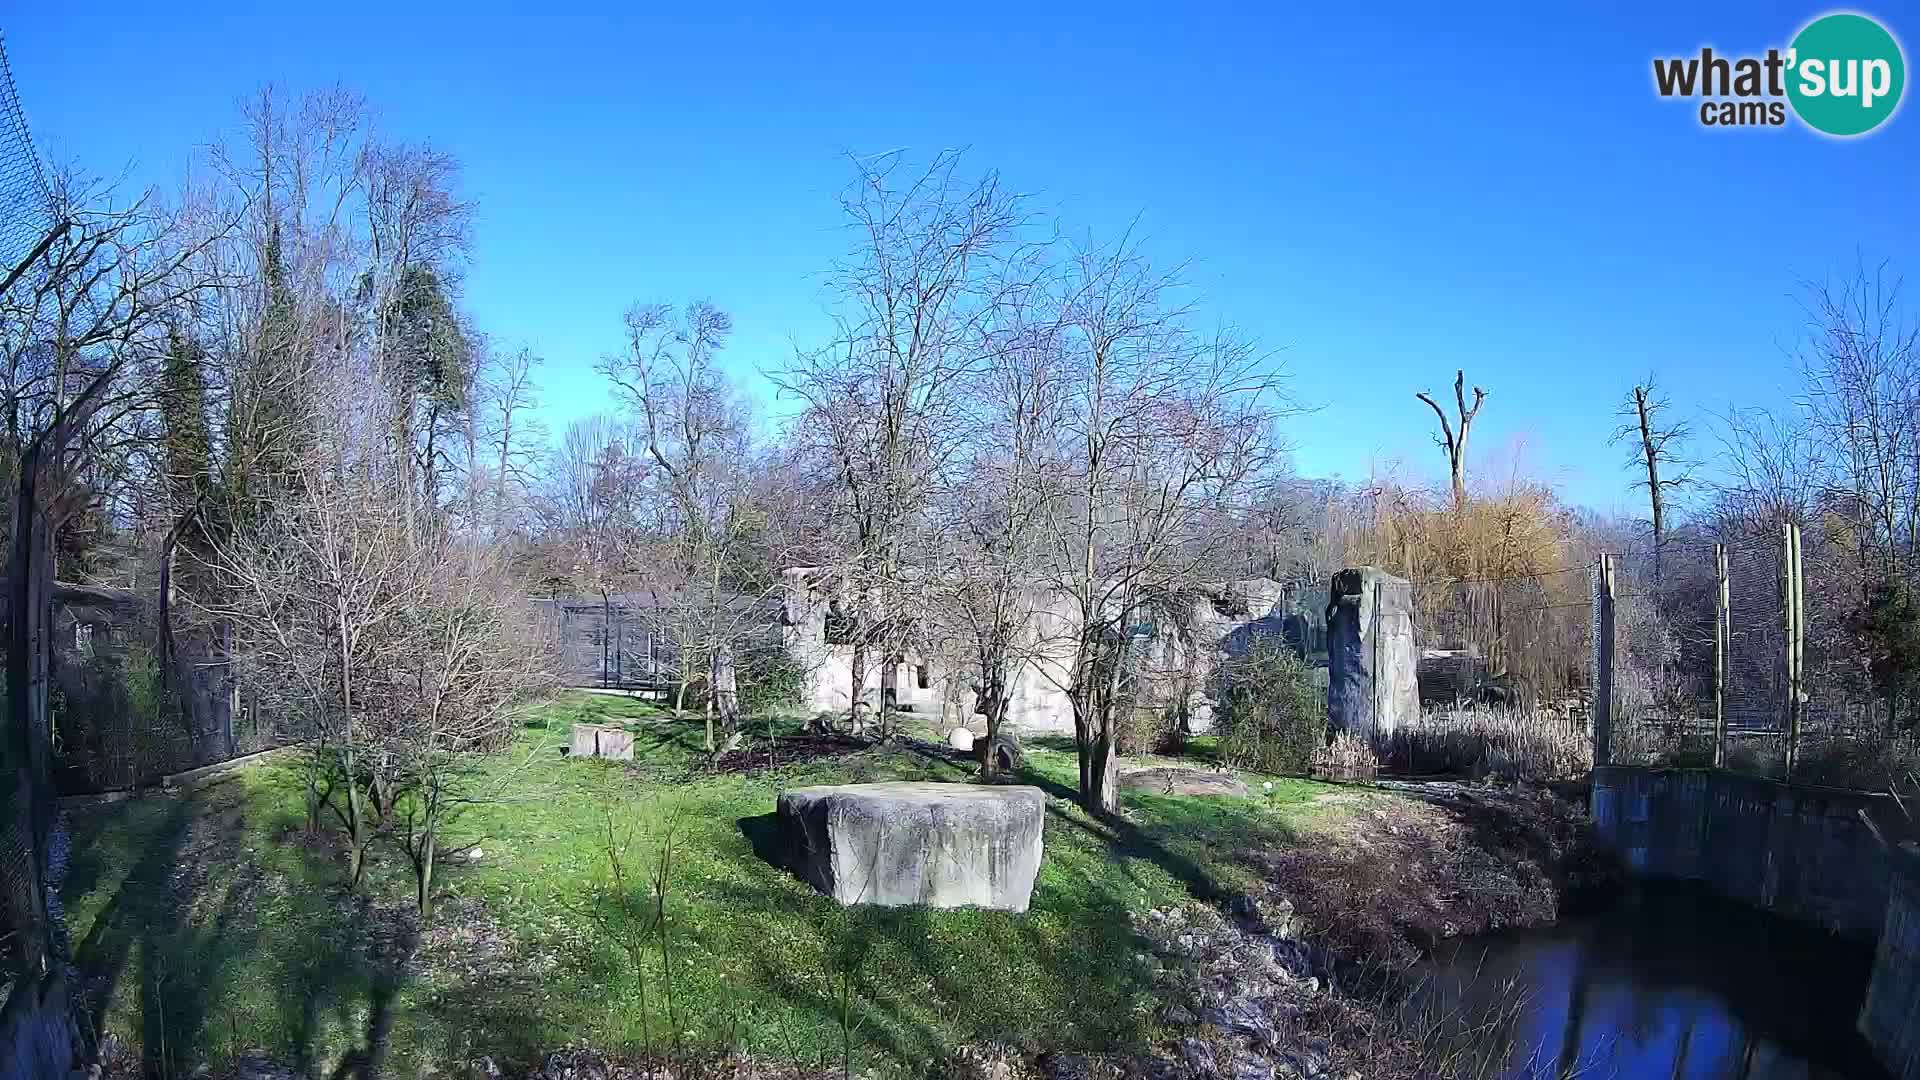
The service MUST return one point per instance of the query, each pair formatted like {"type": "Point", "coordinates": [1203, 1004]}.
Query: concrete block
{"type": "Point", "coordinates": [602, 741]}
{"type": "Point", "coordinates": [916, 844]}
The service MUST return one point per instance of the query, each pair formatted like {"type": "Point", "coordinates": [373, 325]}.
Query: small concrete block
{"type": "Point", "coordinates": [616, 744]}
{"type": "Point", "coordinates": [602, 741]}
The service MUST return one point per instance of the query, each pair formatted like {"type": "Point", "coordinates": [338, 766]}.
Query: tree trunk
{"type": "Point", "coordinates": [356, 835]}
{"type": "Point", "coordinates": [429, 847]}
{"type": "Point", "coordinates": [356, 832]}
{"type": "Point", "coordinates": [1650, 453]}
{"type": "Point", "coordinates": [726, 690]}
{"type": "Point", "coordinates": [25, 765]}
{"type": "Point", "coordinates": [859, 676]}
{"type": "Point", "coordinates": [1103, 792]}
{"type": "Point", "coordinates": [995, 707]}
{"type": "Point", "coordinates": [1082, 738]}
{"type": "Point", "coordinates": [889, 691]}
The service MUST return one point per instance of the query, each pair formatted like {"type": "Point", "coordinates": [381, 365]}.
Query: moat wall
{"type": "Point", "coordinates": [1805, 853]}
{"type": "Point", "coordinates": [1801, 852]}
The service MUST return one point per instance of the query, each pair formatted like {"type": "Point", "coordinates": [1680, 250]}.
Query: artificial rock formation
{"type": "Point", "coordinates": [1184, 652]}
{"type": "Point", "coordinates": [916, 844]}
{"type": "Point", "coordinates": [1372, 688]}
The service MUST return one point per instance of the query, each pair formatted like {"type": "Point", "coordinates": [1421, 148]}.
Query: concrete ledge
{"type": "Point", "coordinates": [190, 780]}
{"type": "Point", "coordinates": [1799, 851]}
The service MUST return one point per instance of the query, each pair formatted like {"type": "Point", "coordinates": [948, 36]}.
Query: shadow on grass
{"type": "Point", "coordinates": [189, 920]}
{"type": "Point", "coordinates": [1169, 817]}
{"type": "Point", "coordinates": [762, 832]}
{"type": "Point", "coordinates": [185, 925]}
{"type": "Point", "coordinates": [920, 979]}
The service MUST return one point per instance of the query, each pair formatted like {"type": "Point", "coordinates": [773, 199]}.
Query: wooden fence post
{"type": "Point", "coordinates": [1603, 670]}
{"type": "Point", "coordinates": [1722, 631]}
{"type": "Point", "coordinates": [1796, 634]}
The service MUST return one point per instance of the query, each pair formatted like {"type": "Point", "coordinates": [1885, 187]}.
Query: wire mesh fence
{"type": "Point", "coordinates": [26, 202]}
{"type": "Point", "coordinates": [1741, 646]}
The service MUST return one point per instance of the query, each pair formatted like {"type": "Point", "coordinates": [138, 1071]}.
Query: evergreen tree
{"type": "Point", "coordinates": [430, 363]}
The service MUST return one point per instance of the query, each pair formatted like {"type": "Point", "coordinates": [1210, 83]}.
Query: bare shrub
{"type": "Point", "coordinates": [1866, 761]}
{"type": "Point", "coordinates": [1511, 742]}
{"type": "Point", "coordinates": [1346, 756]}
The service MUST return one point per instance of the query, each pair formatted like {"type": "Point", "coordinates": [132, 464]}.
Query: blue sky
{"type": "Point", "coordinates": [1379, 193]}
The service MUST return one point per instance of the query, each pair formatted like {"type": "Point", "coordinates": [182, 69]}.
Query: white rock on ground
{"type": "Point", "coordinates": [916, 844]}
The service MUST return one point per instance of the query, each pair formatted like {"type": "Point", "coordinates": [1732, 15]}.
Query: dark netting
{"type": "Point", "coordinates": [26, 203]}
{"type": "Point", "coordinates": [26, 216]}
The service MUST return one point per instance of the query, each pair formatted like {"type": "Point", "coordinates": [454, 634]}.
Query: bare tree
{"type": "Point", "coordinates": [988, 575]}
{"type": "Point", "coordinates": [1163, 430]}
{"type": "Point", "coordinates": [915, 298]}
{"type": "Point", "coordinates": [1658, 453]}
{"type": "Point", "coordinates": [466, 661]}
{"type": "Point", "coordinates": [513, 433]}
{"type": "Point", "coordinates": [694, 431]}
{"type": "Point", "coordinates": [1454, 443]}
{"type": "Point", "coordinates": [1861, 364]}
{"type": "Point", "coordinates": [310, 590]}
{"type": "Point", "coordinates": [392, 646]}
{"type": "Point", "coordinates": [81, 319]}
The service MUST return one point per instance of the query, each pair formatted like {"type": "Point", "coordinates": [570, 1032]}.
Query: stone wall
{"type": "Point", "coordinates": [1801, 852]}
{"type": "Point", "coordinates": [1890, 1020]}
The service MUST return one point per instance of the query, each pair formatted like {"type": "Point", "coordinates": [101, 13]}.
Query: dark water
{"type": "Point", "coordinates": [1669, 982]}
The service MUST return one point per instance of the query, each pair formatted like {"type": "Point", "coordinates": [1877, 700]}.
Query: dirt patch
{"type": "Point", "coordinates": [1173, 780]}
{"type": "Point", "coordinates": [788, 750]}
{"type": "Point", "coordinates": [1393, 875]}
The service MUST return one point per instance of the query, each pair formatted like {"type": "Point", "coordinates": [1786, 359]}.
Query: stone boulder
{"type": "Point", "coordinates": [1173, 780]}
{"type": "Point", "coordinates": [916, 844]}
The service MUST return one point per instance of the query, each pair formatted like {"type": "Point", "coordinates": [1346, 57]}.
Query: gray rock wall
{"type": "Point", "coordinates": [1372, 689]}
{"type": "Point", "coordinates": [1236, 613]}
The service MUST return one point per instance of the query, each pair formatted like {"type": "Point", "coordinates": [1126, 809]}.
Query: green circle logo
{"type": "Point", "coordinates": [1846, 73]}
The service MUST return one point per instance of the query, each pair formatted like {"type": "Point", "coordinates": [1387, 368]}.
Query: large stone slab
{"type": "Point", "coordinates": [916, 844]}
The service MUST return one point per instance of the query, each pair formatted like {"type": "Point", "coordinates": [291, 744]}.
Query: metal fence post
{"type": "Point", "coordinates": [1796, 634]}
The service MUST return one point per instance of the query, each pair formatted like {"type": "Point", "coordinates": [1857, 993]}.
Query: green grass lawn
{"type": "Point", "coordinates": [209, 924]}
